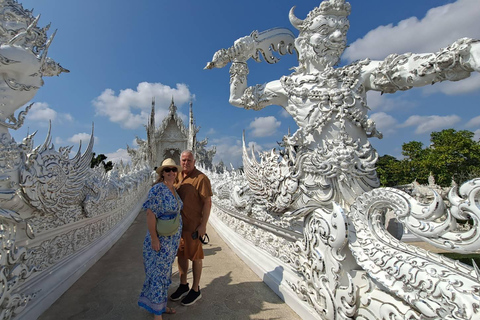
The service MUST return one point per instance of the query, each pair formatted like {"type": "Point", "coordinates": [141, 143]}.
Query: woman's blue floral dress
{"type": "Point", "coordinates": [158, 264]}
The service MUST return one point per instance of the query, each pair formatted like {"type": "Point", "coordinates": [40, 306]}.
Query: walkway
{"type": "Point", "coordinates": [109, 290]}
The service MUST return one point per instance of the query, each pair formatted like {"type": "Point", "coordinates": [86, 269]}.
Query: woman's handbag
{"type": "Point", "coordinates": [168, 227]}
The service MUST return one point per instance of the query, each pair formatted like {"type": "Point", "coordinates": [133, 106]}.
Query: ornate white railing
{"type": "Point", "coordinates": [61, 256]}
{"type": "Point", "coordinates": [58, 216]}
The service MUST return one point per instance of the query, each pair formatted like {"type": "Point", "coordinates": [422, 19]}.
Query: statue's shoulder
{"type": "Point", "coordinates": [356, 66]}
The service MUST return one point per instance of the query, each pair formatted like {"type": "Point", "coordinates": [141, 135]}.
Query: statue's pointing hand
{"type": "Point", "coordinates": [244, 48]}
{"type": "Point", "coordinates": [241, 51]}
{"type": "Point", "coordinates": [280, 40]}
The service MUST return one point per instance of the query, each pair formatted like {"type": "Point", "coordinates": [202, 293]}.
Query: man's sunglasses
{"type": "Point", "coordinates": [170, 169]}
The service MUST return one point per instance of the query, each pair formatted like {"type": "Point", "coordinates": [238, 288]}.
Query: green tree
{"type": "Point", "coordinates": [108, 166]}
{"type": "Point", "coordinates": [451, 154]}
{"type": "Point", "coordinates": [100, 159]}
{"type": "Point", "coordinates": [415, 164]}
{"type": "Point", "coordinates": [388, 170]}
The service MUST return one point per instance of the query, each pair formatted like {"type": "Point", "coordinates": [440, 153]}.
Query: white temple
{"type": "Point", "coordinates": [169, 139]}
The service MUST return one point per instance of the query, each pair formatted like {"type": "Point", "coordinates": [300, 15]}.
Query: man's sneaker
{"type": "Point", "coordinates": [181, 292]}
{"type": "Point", "coordinates": [191, 297]}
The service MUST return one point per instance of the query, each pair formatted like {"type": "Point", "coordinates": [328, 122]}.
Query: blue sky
{"type": "Point", "coordinates": [122, 53]}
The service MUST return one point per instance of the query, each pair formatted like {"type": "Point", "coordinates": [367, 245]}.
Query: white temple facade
{"type": "Point", "coordinates": [171, 137]}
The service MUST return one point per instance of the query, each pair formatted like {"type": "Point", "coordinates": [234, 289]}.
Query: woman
{"type": "Point", "coordinates": [159, 252]}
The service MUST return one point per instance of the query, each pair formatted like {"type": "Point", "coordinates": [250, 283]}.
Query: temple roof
{"type": "Point", "coordinates": [172, 116]}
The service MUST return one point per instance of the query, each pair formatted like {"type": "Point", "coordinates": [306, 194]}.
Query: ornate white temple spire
{"type": "Point", "coordinates": [151, 136]}
{"type": "Point", "coordinates": [191, 130]}
{"type": "Point", "coordinates": [173, 107]}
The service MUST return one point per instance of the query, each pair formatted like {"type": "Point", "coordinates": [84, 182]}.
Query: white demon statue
{"type": "Point", "coordinates": [351, 266]}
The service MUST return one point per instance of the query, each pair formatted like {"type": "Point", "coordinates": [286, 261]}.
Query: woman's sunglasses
{"type": "Point", "coordinates": [170, 169]}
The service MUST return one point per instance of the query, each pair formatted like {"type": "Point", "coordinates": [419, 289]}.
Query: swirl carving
{"type": "Point", "coordinates": [430, 283]}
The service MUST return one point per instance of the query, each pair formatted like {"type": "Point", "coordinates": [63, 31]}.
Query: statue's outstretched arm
{"type": "Point", "coordinates": [402, 72]}
{"type": "Point", "coordinates": [256, 97]}
{"type": "Point", "coordinates": [253, 46]}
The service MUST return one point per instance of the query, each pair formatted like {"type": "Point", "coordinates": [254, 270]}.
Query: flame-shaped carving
{"type": "Point", "coordinates": [53, 183]}
{"type": "Point", "coordinates": [272, 180]}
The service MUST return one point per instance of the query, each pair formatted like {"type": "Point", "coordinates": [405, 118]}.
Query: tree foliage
{"type": "Point", "coordinates": [100, 159]}
{"type": "Point", "coordinates": [451, 155]}
{"type": "Point", "coordinates": [388, 170]}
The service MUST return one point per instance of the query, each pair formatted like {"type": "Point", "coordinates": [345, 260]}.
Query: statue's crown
{"type": "Point", "coordinates": [331, 7]}
{"type": "Point", "coordinates": [338, 8]}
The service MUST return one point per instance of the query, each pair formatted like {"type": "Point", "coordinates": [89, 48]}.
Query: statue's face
{"type": "Point", "coordinates": [20, 78]}
{"type": "Point", "coordinates": [327, 39]}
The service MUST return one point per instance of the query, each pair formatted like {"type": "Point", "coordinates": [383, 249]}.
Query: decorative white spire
{"type": "Point", "coordinates": [191, 130]}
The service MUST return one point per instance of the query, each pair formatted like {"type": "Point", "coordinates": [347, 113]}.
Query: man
{"type": "Point", "coordinates": [195, 191]}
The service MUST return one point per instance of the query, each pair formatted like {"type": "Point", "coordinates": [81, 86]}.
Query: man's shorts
{"type": "Point", "coordinates": [190, 248]}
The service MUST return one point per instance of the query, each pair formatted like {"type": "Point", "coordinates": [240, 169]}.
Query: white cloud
{"type": "Point", "coordinates": [229, 150]}
{"type": "Point", "coordinates": [40, 111]}
{"type": "Point", "coordinates": [377, 101]}
{"type": "Point", "coordinates": [385, 122]}
{"type": "Point", "coordinates": [59, 141]}
{"type": "Point", "coordinates": [264, 126]}
{"type": "Point", "coordinates": [131, 108]}
{"type": "Point", "coordinates": [285, 114]}
{"type": "Point", "coordinates": [119, 155]}
{"type": "Point", "coordinates": [440, 27]}
{"type": "Point", "coordinates": [476, 135]}
{"type": "Point", "coordinates": [474, 122]}
{"type": "Point", "coordinates": [83, 137]}
{"type": "Point", "coordinates": [42, 114]}
{"type": "Point", "coordinates": [470, 84]}
{"type": "Point", "coordinates": [430, 123]}
{"type": "Point", "coordinates": [67, 116]}
{"type": "Point", "coordinates": [256, 148]}
{"type": "Point", "coordinates": [210, 131]}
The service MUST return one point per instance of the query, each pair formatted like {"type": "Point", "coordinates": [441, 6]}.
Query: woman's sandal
{"type": "Point", "coordinates": [169, 310]}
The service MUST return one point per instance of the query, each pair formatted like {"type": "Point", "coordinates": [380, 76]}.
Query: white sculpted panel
{"type": "Point", "coordinates": [349, 266]}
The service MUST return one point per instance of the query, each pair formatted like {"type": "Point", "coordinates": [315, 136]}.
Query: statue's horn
{"type": "Point", "coordinates": [297, 23]}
